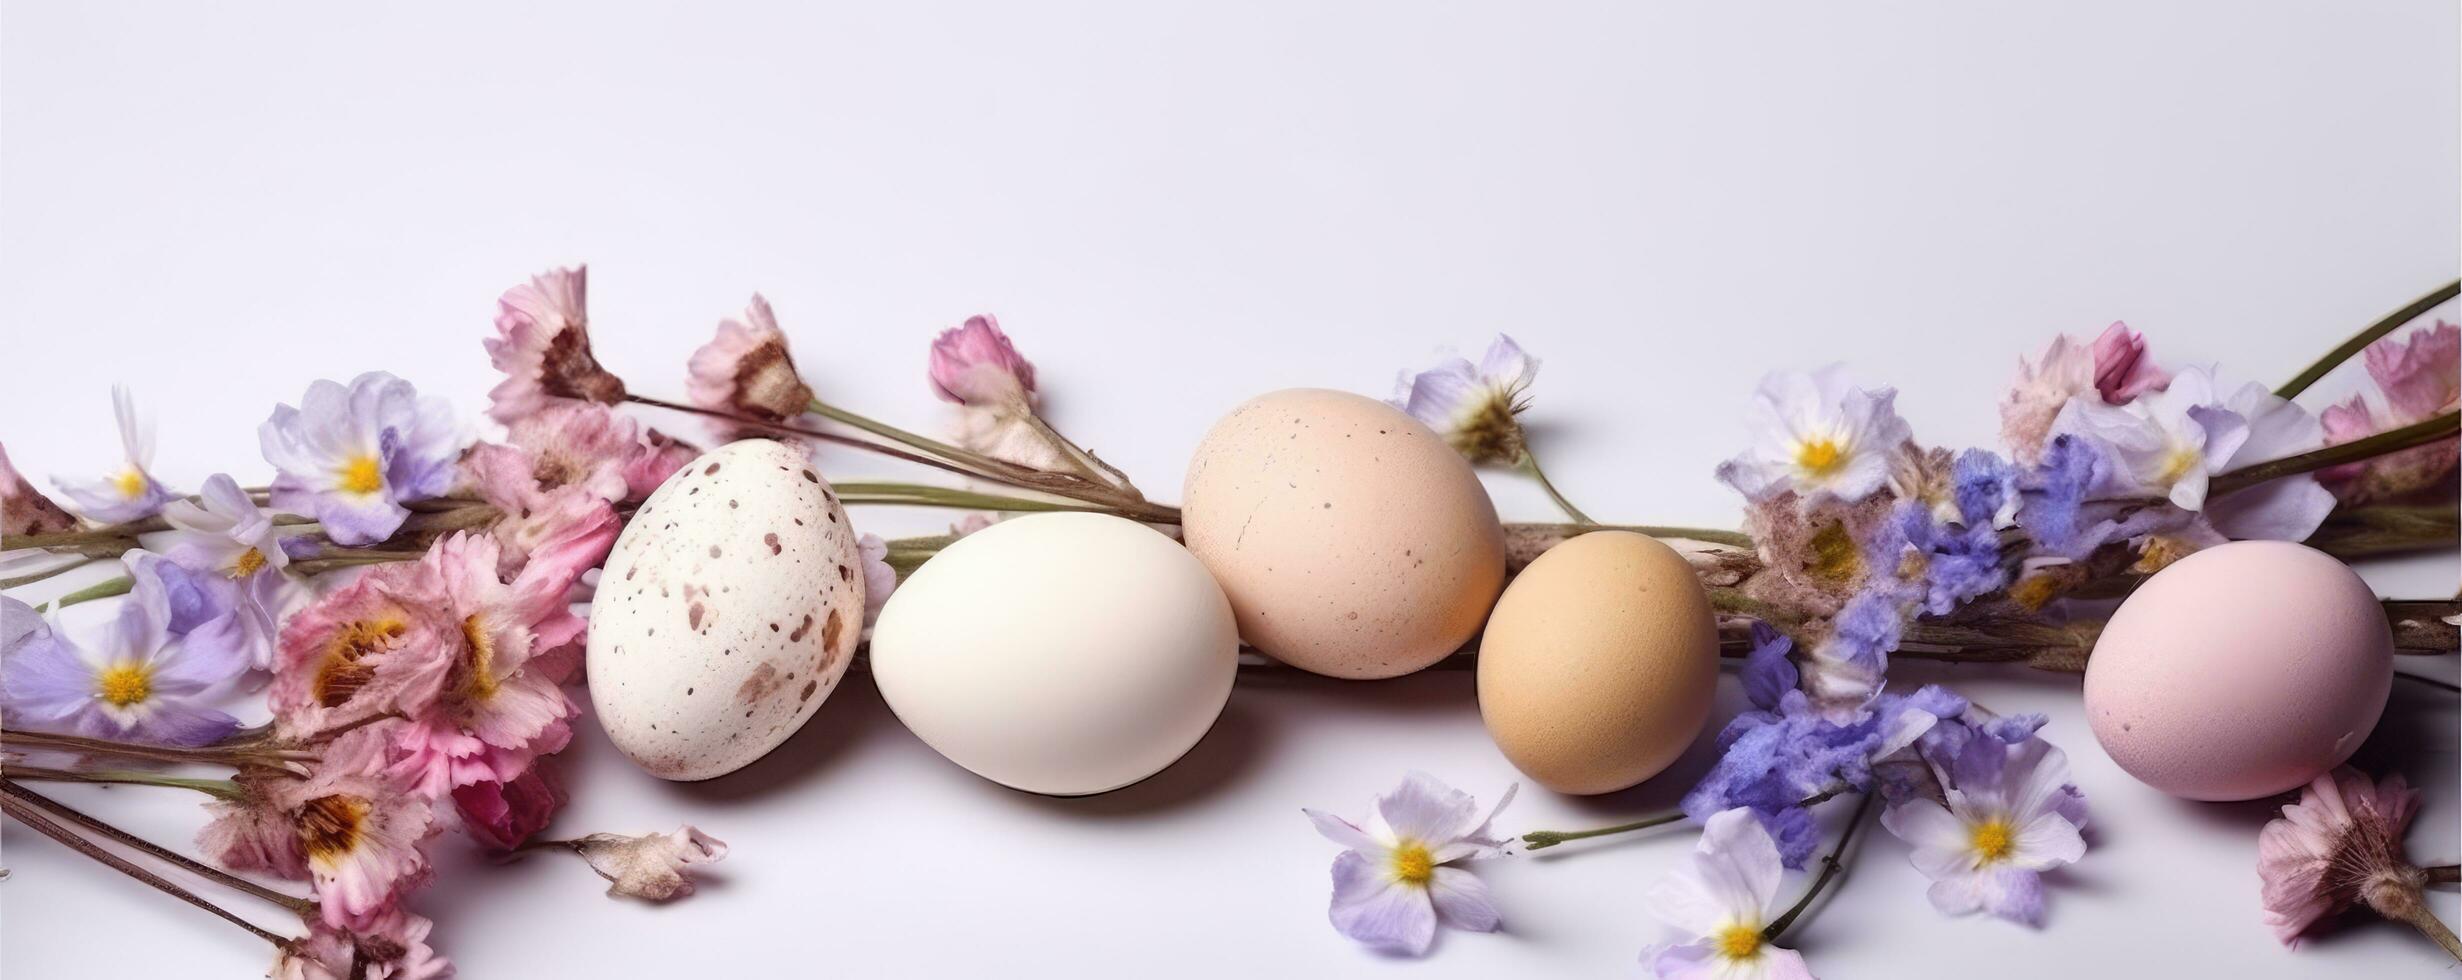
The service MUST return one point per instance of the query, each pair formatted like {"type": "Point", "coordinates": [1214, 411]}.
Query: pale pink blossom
{"type": "Point", "coordinates": [2421, 376]}
{"type": "Point", "coordinates": [651, 867]}
{"type": "Point", "coordinates": [2122, 371]}
{"type": "Point", "coordinates": [974, 364]}
{"type": "Point", "coordinates": [380, 645]}
{"type": "Point", "coordinates": [365, 841]}
{"type": "Point", "coordinates": [2335, 847]}
{"type": "Point", "coordinates": [596, 446]}
{"type": "Point", "coordinates": [253, 832]}
{"type": "Point", "coordinates": [2418, 377]}
{"type": "Point", "coordinates": [542, 345]}
{"type": "Point", "coordinates": [878, 578]}
{"type": "Point", "coordinates": [493, 715]}
{"type": "Point", "coordinates": [2042, 388]}
{"type": "Point", "coordinates": [390, 946]}
{"type": "Point", "coordinates": [533, 518]}
{"type": "Point", "coordinates": [745, 369]}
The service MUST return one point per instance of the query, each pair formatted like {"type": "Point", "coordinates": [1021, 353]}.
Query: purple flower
{"type": "Point", "coordinates": [350, 456]}
{"type": "Point", "coordinates": [2002, 823]}
{"type": "Point", "coordinates": [144, 682]}
{"type": "Point", "coordinates": [1474, 407]}
{"type": "Point", "coordinates": [1723, 900]}
{"type": "Point", "coordinates": [229, 539]}
{"type": "Point", "coordinates": [1984, 487]}
{"type": "Point", "coordinates": [1396, 880]}
{"type": "Point", "coordinates": [131, 493]}
{"type": "Point", "coordinates": [1789, 749]}
{"type": "Point", "coordinates": [1954, 563]}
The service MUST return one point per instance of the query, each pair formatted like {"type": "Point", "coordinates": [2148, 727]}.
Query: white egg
{"type": "Point", "coordinates": [726, 613]}
{"type": "Point", "coordinates": [1064, 654]}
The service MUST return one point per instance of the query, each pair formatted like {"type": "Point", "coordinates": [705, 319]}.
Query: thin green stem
{"type": "Point", "coordinates": [2389, 441]}
{"type": "Point", "coordinates": [895, 434]}
{"type": "Point", "coordinates": [33, 577]}
{"type": "Point", "coordinates": [99, 590]}
{"type": "Point", "coordinates": [13, 803]}
{"type": "Point", "coordinates": [924, 495]}
{"type": "Point", "coordinates": [228, 755]}
{"type": "Point", "coordinates": [1530, 465]}
{"type": "Point", "coordinates": [1832, 864]}
{"type": "Point", "coordinates": [184, 862]}
{"type": "Point", "coordinates": [1542, 839]}
{"type": "Point", "coordinates": [2350, 348]}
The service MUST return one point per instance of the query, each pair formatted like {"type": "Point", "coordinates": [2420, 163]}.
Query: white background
{"type": "Point", "coordinates": [1173, 210]}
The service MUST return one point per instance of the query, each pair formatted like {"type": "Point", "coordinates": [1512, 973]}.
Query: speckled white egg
{"type": "Point", "coordinates": [726, 613]}
{"type": "Point", "coordinates": [1063, 654]}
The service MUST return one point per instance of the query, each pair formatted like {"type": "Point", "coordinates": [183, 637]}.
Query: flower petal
{"type": "Point", "coordinates": [1461, 900]}
{"type": "Point", "coordinates": [1425, 810]}
{"type": "Point", "coordinates": [1342, 831]}
{"type": "Point", "coordinates": [1375, 909]}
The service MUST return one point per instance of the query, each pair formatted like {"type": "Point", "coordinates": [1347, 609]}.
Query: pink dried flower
{"type": "Point", "coordinates": [575, 518]}
{"type": "Point", "coordinates": [745, 369]}
{"type": "Point", "coordinates": [878, 578]}
{"type": "Point", "coordinates": [2419, 375]}
{"type": "Point", "coordinates": [253, 832]}
{"type": "Point", "coordinates": [652, 867]}
{"type": "Point", "coordinates": [2042, 388]}
{"type": "Point", "coordinates": [392, 946]}
{"type": "Point", "coordinates": [2340, 845]}
{"type": "Point", "coordinates": [493, 715]}
{"type": "Point", "coordinates": [380, 645]}
{"type": "Point", "coordinates": [543, 346]}
{"type": "Point", "coordinates": [974, 364]}
{"type": "Point", "coordinates": [2122, 371]}
{"type": "Point", "coordinates": [365, 842]}
{"type": "Point", "coordinates": [501, 816]}
{"type": "Point", "coordinates": [23, 509]}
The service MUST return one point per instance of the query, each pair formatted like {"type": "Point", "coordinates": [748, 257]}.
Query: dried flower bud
{"type": "Point", "coordinates": [745, 369]}
{"type": "Point", "coordinates": [653, 867]}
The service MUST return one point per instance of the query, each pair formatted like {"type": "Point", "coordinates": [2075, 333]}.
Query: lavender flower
{"type": "Point", "coordinates": [1820, 436]}
{"type": "Point", "coordinates": [227, 536]}
{"type": "Point", "coordinates": [1395, 882]}
{"type": "Point", "coordinates": [1476, 408]}
{"type": "Point", "coordinates": [2283, 509]}
{"type": "Point", "coordinates": [145, 682]}
{"type": "Point", "coordinates": [1724, 901]}
{"type": "Point", "coordinates": [131, 493]}
{"type": "Point", "coordinates": [1999, 828]}
{"type": "Point", "coordinates": [1788, 749]}
{"type": "Point", "coordinates": [350, 456]}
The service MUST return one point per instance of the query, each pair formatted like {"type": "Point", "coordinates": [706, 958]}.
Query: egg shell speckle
{"type": "Point", "coordinates": [1351, 539]}
{"type": "Point", "coordinates": [726, 614]}
{"type": "Point", "coordinates": [1599, 664]}
{"type": "Point", "coordinates": [2241, 671]}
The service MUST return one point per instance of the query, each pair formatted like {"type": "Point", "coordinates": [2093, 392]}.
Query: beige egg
{"type": "Point", "coordinates": [1599, 663]}
{"type": "Point", "coordinates": [1350, 539]}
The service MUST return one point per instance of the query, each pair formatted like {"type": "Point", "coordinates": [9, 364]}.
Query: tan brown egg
{"type": "Point", "coordinates": [1599, 663]}
{"type": "Point", "coordinates": [1350, 539]}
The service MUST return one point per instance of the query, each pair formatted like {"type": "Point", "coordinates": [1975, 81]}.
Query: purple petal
{"type": "Point", "coordinates": [1462, 901]}
{"type": "Point", "coordinates": [1342, 831]}
{"type": "Point", "coordinates": [175, 722]}
{"type": "Point", "coordinates": [1427, 811]}
{"type": "Point", "coordinates": [1375, 909]}
{"type": "Point", "coordinates": [47, 680]}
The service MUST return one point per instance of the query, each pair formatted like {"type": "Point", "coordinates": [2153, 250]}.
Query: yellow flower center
{"type": "Point", "coordinates": [482, 681]}
{"type": "Point", "coordinates": [130, 483]}
{"type": "Point", "coordinates": [1819, 457]}
{"type": "Point", "coordinates": [1992, 841]}
{"type": "Point", "coordinates": [1412, 864]}
{"type": "Point", "coordinates": [361, 475]}
{"type": "Point", "coordinates": [247, 563]}
{"type": "Point", "coordinates": [2179, 463]}
{"type": "Point", "coordinates": [1738, 942]}
{"type": "Point", "coordinates": [124, 684]}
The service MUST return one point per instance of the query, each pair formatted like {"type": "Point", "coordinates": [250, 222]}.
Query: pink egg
{"type": "Point", "coordinates": [2242, 671]}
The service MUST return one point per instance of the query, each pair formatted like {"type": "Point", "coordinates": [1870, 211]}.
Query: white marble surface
{"type": "Point", "coordinates": [1173, 210]}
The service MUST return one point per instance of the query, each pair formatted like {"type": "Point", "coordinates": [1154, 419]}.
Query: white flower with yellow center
{"type": "Point", "coordinates": [131, 492]}
{"type": "Point", "coordinates": [1396, 881]}
{"type": "Point", "coordinates": [2001, 825]}
{"type": "Point", "coordinates": [2164, 444]}
{"type": "Point", "coordinates": [1724, 900]}
{"type": "Point", "coordinates": [1820, 436]}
